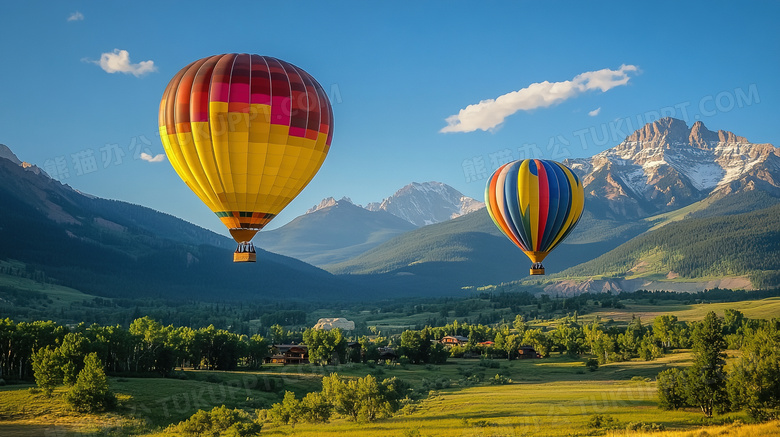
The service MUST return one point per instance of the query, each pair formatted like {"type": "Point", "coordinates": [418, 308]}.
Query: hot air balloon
{"type": "Point", "coordinates": [246, 133]}
{"type": "Point", "coordinates": [536, 203]}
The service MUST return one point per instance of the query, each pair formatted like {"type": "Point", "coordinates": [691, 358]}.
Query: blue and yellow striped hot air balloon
{"type": "Point", "coordinates": [536, 203]}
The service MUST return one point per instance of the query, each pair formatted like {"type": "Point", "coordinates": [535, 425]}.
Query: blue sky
{"type": "Point", "coordinates": [558, 80]}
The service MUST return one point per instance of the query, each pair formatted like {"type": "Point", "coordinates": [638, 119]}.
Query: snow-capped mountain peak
{"type": "Point", "coordinates": [427, 203]}
{"type": "Point", "coordinates": [327, 203]}
{"type": "Point", "coordinates": [665, 165]}
{"type": "Point", "coordinates": [418, 203]}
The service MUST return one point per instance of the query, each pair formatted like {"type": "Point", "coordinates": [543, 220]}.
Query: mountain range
{"type": "Point", "coordinates": [664, 174]}
{"type": "Point", "coordinates": [670, 207]}
{"type": "Point", "coordinates": [116, 249]}
{"type": "Point", "coordinates": [337, 230]}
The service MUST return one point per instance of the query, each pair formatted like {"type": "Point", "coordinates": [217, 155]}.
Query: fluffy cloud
{"type": "Point", "coordinates": [595, 112]}
{"type": "Point", "coordinates": [149, 158]}
{"type": "Point", "coordinates": [118, 61]}
{"type": "Point", "coordinates": [488, 114]}
{"type": "Point", "coordinates": [76, 16]}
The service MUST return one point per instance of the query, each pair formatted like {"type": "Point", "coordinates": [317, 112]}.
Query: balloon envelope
{"type": "Point", "coordinates": [246, 133]}
{"type": "Point", "coordinates": [535, 203]}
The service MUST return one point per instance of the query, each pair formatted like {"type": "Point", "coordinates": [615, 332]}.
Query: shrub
{"type": "Point", "coordinates": [601, 421]}
{"type": "Point", "coordinates": [219, 421]}
{"type": "Point", "coordinates": [489, 363]}
{"type": "Point", "coordinates": [640, 379]}
{"type": "Point", "coordinates": [592, 364]}
{"type": "Point", "coordinates": [641, 426]}
{"type": "Point", "coordinates": [500, 380]}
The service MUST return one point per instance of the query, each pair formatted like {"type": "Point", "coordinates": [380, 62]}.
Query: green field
{"type": "Point", "coordinates": [556, 396]}
{"type": "Point", "coordinates": [754, 309]}
{"type": "Point", "coordinates": [60, 296]}
{"type": "Point", "coordinates": [548, 397]}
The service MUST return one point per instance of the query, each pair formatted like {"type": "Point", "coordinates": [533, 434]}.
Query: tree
{"type": "Point", "coordinates": [149, 338]}
{"type": "Point", "coordinates": [706, 387]}
{"type": "Point", "coordinates": [509, 344]}
{"type": "Point", "coordinates": [539, 340]}
{"type": "Point", "coordinates": [672, 385]}
{"type": "Point", "coordinates": [278, 334]}
{"type": "Point", "coordinates": [371, 403]}
{"type": "Point", "coordinates": [648, 350]}
{"type": "Point", "coordinates": [568, 337]}
{"type": "Point", "coordinates": [47, 369]}
{"type": "Point", "coordinates": [73, 349]}
{"type": "Point", "coordinates": [341, 396]}
{"type": "Point", "coordinates": [91, 392]}
{"type": "Point", "coordinates": [363, 399]}
{"type": "Point", "coordinates": [416, 346]}
{"type": "Point", "coordinates": [289, 411]}
{"type": "Point", "coordinates": [664, 329]}
{"type": "Point", "coordinates": [322, 345]}
{"type": "Point", "coordinates": [257, 350]}
{"type": "Point", "coordinates": [315, 408]}
{"type": "Point", "coordinates": [369, 349]}
{"type": "Point", "coordinates": [732, 321]}
{"type": "Point", "coordinates": [519, 325]}
{"type": "Point", "coordinates": [754, 381]}
{"type": "Point", "coordinates": [437, 354]}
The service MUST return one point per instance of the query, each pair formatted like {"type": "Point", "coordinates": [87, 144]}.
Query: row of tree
{"type": "Point", "coordinates": [145, 347]}
{"type": "Point", "coordinates": [149, 347]}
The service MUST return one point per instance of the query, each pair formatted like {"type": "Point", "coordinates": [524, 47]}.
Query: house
{"type": "Point", "coordinates": [289, 354]}
{"type": "Point", "coordinates": [454, 340]}
{"type": "Point", "coordinates": [527, 352]}
{"type": "Point", "coordinates": [387, 353]}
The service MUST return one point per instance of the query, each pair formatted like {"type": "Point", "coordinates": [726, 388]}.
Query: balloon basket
{"type": "Point", "coordinates": [539, 271]}
{"type": "Point", "coordinates": [244, 257]}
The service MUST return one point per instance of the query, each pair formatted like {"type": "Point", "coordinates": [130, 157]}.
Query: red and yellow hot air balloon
{"type": "Point", "coordinates": [536, 203]}
{"type": "Point", "coordinates": [246, 133]}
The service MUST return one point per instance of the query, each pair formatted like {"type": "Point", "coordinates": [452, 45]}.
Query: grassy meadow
{"type": "Point", "coordinates": [548, 397]}
{"type": "Point", "coordinates": [556, 396]}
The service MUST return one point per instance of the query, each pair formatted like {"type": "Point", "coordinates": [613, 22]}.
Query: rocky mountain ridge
{"type": "Point", "coordinates": [665, 165]}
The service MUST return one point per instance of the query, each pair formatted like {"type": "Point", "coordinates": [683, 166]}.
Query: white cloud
{"type": "Point", "coordinates": [118, 61]}
{"type": "Point", "coordinates": [488, 114]}
{"type": "Point", "coordinates": [76, 16]}
{"type": "Point", "coordinates": [595, 112]}
{"type": "Point", "coordinates": [149, 158]}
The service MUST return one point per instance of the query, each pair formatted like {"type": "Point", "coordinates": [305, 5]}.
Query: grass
{"type": "Point", "coordinates": [676, 215]}
{"type": "Point", "coordinates": [549, 397]}
{"type": "Point", "coordinates": [25, 411]}
{"type": "Point", "coordinates": [770, 429]}
{"type": "Point", "coordinates": [61, 296]}
{"type": "Point", "coordinates": [755, 309]}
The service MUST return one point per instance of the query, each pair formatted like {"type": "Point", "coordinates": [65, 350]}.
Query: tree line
{"type": "Point", "coordinates": [145, 347]}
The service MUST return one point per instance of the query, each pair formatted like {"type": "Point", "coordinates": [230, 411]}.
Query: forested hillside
{"type": "Point", "coordinates": [746, 243]}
